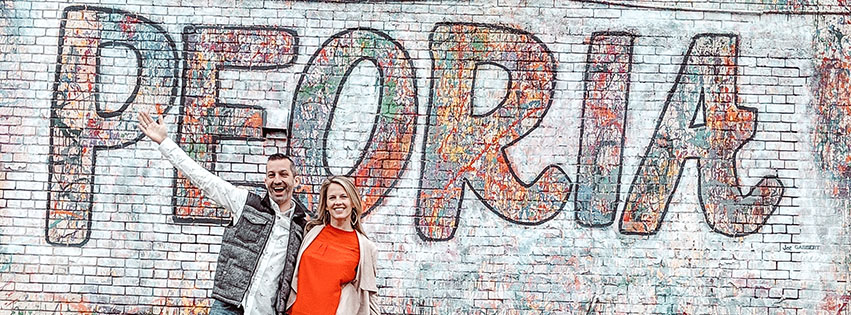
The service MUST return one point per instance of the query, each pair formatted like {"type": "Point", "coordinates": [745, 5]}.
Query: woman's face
{"type": "Point", "coordinates": [337, 202]}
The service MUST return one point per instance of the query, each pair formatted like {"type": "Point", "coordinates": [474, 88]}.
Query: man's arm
{"type": "Point", "coordinates": [225, 194]}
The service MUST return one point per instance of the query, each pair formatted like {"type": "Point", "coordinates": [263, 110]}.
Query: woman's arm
{"type": "Point", "coordinates": [374, 308]}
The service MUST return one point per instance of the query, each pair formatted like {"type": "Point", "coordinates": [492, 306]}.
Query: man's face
{"type": "Point", "coordinates": [280, 180]}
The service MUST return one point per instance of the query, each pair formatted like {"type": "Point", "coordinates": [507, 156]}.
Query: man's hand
{"type": "Point", "coordinates": [155, 130]}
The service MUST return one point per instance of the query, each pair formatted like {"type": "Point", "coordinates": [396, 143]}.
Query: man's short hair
{"type": "Point", "coordinates": [281, 156]}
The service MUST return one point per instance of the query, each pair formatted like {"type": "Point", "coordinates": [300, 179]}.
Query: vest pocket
{"type": "Point", "coordinates": [250, 228]}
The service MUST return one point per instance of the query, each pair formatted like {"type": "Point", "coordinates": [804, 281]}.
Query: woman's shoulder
{"type": "Point", "coordinates": [312, 225]}
{"type": "Point", "coordinates": [365, 241]}
{"type": "Point", "coordinates": [312, 230]}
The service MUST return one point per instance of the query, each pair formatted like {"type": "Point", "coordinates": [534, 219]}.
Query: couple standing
{"type": "Point", "coordinates": [272, 259]}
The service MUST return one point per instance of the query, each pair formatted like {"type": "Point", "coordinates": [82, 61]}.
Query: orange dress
{"type": "Point", "coordinates": [328, 263]}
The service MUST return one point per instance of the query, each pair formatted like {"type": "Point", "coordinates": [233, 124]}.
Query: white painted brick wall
{"type": "Point", "coordinates": [137, 259]}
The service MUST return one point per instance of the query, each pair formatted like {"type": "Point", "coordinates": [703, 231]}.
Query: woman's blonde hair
{"type": "Point", "coordinates": [323, 217]}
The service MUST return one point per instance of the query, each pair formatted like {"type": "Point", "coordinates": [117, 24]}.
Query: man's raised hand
{"type": "Point", "coordinates": [155, 130]}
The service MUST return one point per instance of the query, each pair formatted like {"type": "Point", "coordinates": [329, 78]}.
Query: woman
{"type": "Point", "coordinates": [335, 270]}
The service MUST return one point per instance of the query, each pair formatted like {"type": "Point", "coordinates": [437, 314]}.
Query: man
{"type": "Point", "coordinates": [259, 247]}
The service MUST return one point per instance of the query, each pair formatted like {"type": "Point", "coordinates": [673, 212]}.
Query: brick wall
{"type": "Point", "coordinates": [516, 157]}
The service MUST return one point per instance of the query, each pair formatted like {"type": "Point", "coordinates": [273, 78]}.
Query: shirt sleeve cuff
{"type": "Point", "coordinates": [167, 145]}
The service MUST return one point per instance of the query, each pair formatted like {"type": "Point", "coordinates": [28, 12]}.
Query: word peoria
{"type": "Point", "coordinates": [462, 149]}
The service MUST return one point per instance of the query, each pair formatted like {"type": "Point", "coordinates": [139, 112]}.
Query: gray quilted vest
{"type": "Point", "coordinates": [242, 244]}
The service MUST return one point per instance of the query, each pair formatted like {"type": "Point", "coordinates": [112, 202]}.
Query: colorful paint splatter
{"type": "Point", "coordinates": [204, 118]}
{"type": "Point", "coordinates": [81, 124]}
{"type": "Point", "coordinates": [389, 146]}
{"type": "Point", "coordinates": [462, 149]}
{"type": "Point", "coordinates": [702, 120]}
{"type": "Point", "coordinates": [832, 134]}
{"type": "Point", "coordinates": [602, 134]}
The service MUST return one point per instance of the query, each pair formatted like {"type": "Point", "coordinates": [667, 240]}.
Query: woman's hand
{"type": "Point", "coordinates": [155, 130]}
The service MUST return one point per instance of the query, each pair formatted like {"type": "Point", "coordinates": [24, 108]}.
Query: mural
{"type": "Point", "coordinates": [602, 130]}
{"type": "Point", "coordinates": [702, 120]}
{"type": "Point", "coordinates": [833, 102]}
{"type": "Point", "coordinates": [205, 120]}
{"type": "Point", "coordinates": [462, 149]}
{"type": "Point", "coordinates": [82, 123]}
{"type": "Point", "coordinates": [389, 145]}
{"type": "Point", "coordinates": [832, 134]}
{"type": "Point", "coordinates": [728, 91]}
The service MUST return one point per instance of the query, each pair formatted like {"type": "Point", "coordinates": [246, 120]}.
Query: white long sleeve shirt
{"type": "Point", "coordinates": [259, 300]}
